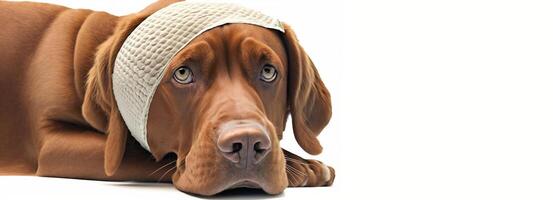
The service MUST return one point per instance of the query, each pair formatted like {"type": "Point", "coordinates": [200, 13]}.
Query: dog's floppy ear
{"type": "Point", "coordinates": [308, 98]}
{"type": "Point", "coordinates": [99, 106]}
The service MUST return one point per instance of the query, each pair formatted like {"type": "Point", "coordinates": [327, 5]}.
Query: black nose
{"type": "Point", "coordinates": [243, 142]}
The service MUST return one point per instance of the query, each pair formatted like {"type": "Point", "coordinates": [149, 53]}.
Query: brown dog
{"type": "Point", "coordinates": [59, 117]}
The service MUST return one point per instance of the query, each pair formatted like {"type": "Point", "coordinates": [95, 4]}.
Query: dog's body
{"type": "Point", "coordinates": [58, 120]}
{"type": "Point", "coordinates": [47, 52]}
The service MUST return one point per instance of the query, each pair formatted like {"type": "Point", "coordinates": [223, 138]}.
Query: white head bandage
{"type": "Point", "coordinates": [148, 50]}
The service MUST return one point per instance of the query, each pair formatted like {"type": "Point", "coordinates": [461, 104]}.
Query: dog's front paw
{"type": "Point", "coordinates": [309, 173]}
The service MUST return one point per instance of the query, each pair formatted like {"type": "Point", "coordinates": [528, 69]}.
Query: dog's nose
{"type": "Point", "coordinates": [243, 142]}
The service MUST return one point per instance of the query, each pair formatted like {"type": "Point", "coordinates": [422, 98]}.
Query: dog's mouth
{"type": "Point", "coordinates": [245, 184]}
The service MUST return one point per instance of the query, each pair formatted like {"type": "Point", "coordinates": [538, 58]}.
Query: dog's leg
{"type": "Point", "coordinates": [71, 152]}
{"type": "Point", "coordinates": [307, 173]}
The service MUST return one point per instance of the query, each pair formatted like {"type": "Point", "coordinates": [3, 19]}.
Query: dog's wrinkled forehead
{"type": "Point", "coordinates": [148, 50]}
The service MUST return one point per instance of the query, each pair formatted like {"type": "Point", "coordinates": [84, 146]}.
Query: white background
{"type": "Point", "coordinates": [431, 100]}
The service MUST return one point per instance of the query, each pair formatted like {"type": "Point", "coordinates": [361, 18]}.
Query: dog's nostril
{"type": "Point", "coordinates": [236, 147]}
{"type": "Point", "coordinates": [261, 149]}
{"type": "Point", "coordinates": [257, 148]}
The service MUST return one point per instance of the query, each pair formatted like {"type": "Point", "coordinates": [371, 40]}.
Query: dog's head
{"type": "Point", "coordinates": [221, 106]}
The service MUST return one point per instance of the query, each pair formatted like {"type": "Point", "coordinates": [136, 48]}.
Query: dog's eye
{"type": "Point", "coordinates": [183, 75]}
{"type": "Point", "coordinates": [268, 73]}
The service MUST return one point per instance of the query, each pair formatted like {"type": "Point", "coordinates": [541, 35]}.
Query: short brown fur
{"type": "Point", "coordinates": [59, 117]}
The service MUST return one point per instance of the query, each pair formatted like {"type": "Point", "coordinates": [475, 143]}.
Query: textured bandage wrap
{"type": "Point", "coordinates": [148, 50]}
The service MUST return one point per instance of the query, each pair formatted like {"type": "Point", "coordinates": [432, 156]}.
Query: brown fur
{"type": "Point", "coordinates": [59, 117]}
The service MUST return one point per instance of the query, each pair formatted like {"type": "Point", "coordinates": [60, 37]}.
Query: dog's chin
{"type": "Point", "coordinates": [215, 187]}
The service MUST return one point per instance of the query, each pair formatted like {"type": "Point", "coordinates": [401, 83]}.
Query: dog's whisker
{"type": "Point", "coordinates": [160, 178]}
{"type": "Point", "coordinates": [299, 173]}
{"type": "Point", "coordinates": [182, 162]}
{"type": "Point", "coordinates": [299, 162]}
{"type": "Point", "coordinates": [292, 176]}
{"type": "Point", "coordinates": [160, 168]}
{"type": "Point", "coordinates": [290, 158]}
{"type": "Point", "coordinates": [295, 158]}
{"type": "Point", "coordinates": [293, 169]}
{"type": "Point", "coordinates": [289, 169]}
{"type": "Point", "coordinates": [296, 175]}
{"type": "Point", "coordinates": [293, 179]}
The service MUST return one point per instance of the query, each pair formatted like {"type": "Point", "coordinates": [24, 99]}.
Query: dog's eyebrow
{"type": "Point", "coordinates": [259, 50]}
{"type": "Point", "coordinates": [199, 51]}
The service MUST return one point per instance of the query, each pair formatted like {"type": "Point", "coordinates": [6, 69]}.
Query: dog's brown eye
{"type": "Point", "coordinates": [183, 75]}
{"type": "Point", "coordinates": [268, 73]}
